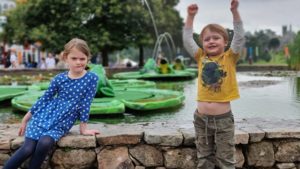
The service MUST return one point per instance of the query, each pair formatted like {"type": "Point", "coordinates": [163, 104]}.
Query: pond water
{"type": "Point", "coordinates": [261, 96]}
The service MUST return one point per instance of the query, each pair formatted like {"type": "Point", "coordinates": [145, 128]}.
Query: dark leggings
{"type": "Point", "coordinates": [37, 148]}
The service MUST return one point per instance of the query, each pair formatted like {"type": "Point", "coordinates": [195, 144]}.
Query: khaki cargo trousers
{"type": "Point", "coordinates": [215, 141]}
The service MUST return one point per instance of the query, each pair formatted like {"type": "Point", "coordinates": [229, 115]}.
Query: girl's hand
{"type": "Point", "coordinates": [90, 132]}
{"type": "Point", "coordinates": [22, 128]}
{"type": "Point", "coordinates": [192, 9]}
{"type": "Point", "coordinates": [234, 5]}
{"type": "Point", "coordinates": [25, 119]}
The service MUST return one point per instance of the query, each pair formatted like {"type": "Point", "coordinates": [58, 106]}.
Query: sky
{"type": "Point", "coordinates": [256, 14]}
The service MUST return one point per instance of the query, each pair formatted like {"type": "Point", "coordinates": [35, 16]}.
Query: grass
{"type": "Point", "coordinates": [277, 59]}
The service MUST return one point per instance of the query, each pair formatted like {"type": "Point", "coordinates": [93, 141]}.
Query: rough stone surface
{"type": "Point", "coordinates": [119, 135]}
{"type": "Point", "coordinates": [3, 158]}
{"type": "Point", "coordinates": [241, 137]}
{"type": "Point", "coordinates": [9, 131]}
{"type": "Point", "coordinates": [288, 152]}
{"type": "Point", "coordinates": [266, 144]}
{"type": "Point", "coordinates": [74, 140]}
{"type": "Point", "coordinates": [282, 133]}
{"type": "Point", "coordinates": [114, 158]}
{"type": "Point", "coordinates": [165, 137]}
{"type": "Point", "coordinates": [17, 142]}
{"type": "Point", "coordinates": [139, 167]}
{"type": "Point", "coordinates": [286, 166]}
{"type": "Point", "coordinates": [189, 136]}
{"type": "Point", "coordinates": [147, 155]}
{"type": "Point", "coordinates": [261, 154]}
{"type": "Point", "coordinates": [180, 158]}
{"type": "Point", "coordinates": [4, 144]}
{"type": "Point", "coordinates": [239, 157]}
{"type": "Point", "coordinates": [75, 159]}
{"type": "Point", "coordinates": [255, 133]}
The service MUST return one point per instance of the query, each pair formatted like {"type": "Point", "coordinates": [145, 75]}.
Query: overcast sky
{"type": "Point", "coordinates": [256, 14]}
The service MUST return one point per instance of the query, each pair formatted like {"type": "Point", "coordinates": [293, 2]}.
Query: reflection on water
{"type": "Point", "coordinates": [296, 88]}
{"type": "Point", "coordinates": [273, 101]}
{"type": "Point", "coordinates": [6, 115]}
{"type": "Point", "coordinates": [261, 96]}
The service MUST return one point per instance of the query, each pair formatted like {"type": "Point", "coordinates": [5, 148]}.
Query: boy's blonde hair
{"type": "Point", "coordinates": [79, 44]}
{"type": "Point", "coordinates": [215, 28]}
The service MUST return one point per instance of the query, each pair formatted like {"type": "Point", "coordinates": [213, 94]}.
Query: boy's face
{"type": "Point", "coordinates": [213, 43]}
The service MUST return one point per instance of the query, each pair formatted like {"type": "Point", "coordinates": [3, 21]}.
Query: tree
{"type": "Point", "coordinates": [260, 39]}
{"type": "Point", "coordinates": [294, 62]}
{"type": "Point", "coordinates": [106, 25]}
{"type": "Point", "coordinates": [274, 43]}
{"type": "Point", "coordinates": [15, 29]}
{"type": "Point", "coordinates": [141, 31]}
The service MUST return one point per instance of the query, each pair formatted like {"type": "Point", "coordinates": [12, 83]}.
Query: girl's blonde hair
{"type": "Point", "coordinates": [79, 44]}
{"type": "Point", "coordinates": [215, 28]}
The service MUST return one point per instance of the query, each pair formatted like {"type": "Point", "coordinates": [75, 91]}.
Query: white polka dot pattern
{"type": "Point", "coordinates": [65, 101]}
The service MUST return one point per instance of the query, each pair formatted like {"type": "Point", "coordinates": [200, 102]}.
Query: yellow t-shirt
{"type": "Point", "coordinates": [217, 77]}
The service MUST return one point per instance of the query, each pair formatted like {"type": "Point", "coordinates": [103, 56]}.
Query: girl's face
{"type": "Point", "coordinates": [213, 43]}
{"type": "Point", "coordinates": [76, 61]}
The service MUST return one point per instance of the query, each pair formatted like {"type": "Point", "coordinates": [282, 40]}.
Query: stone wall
{"type": "Point", "coordinates": [259, 144]}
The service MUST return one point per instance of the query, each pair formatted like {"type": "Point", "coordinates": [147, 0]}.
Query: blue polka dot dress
{"type": "Point", "coordinates": [65, 101]}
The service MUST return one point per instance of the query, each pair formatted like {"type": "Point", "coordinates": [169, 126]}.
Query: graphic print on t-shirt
{"type": "Point", "coordinates": [212, 75]}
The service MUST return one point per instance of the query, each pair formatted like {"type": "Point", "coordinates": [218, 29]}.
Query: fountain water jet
{"type": "Point", "coordinates": [157, 48]}
{"type": "Point", "coordinates": [145, 2]}
{"type": "Point", "coordinates": [159, 38]}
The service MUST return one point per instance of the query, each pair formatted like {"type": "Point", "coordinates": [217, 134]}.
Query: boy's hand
{"type": "Point", "coordinates": [192, 9]}
{"type": "Point", "coordinates": [234, 5]}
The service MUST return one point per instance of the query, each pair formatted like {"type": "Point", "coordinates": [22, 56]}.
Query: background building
{"type": "Point", "coordinates": [5, 5]}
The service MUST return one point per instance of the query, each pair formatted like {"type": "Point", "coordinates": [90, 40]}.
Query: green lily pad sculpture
{"type": "Point", "coordinates": [104, 87]}
{"type": "Point", "coordinates": [150, 66]}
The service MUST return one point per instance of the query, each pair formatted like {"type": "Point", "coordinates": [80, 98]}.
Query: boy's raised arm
{"type": "Point", "coordinates": [188, 41]}
{"type": "Point", "coordinates": [238, 39]}
{"type": "Point", "coordinates": [192, 11]}
{"type": "Point", "coordinates": [235, 11]}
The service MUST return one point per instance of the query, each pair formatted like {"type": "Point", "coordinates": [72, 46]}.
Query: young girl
{"type": "Point", "coordinates": [217, 86]}
{"type": "Point", "coordinates": [67, 99]}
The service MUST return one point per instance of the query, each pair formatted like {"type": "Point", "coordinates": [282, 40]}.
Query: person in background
{"type": "Point", "coordinates": [250, 57]}
{"type": "Point", "coordinates": [178, 64]}
{"type": "Point", "coordinates": [217, 87]}
{"type": "Point", "coordinates": [67, 99]}
{"type": "Point", "coordinates": [61, 63]}
{"type": "Point", "coordinates": [13, 59]}
{"type": "Point", "coordinates": [43, 63]}
{"type": "Point", "coordinates": [50, 61]}
{"type": "Point", "coordinates": [286, 52]}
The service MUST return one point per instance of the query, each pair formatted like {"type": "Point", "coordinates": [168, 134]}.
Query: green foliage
{"type": "Point", "coordinates": [266, 56]}
{"type": "Point", "coordinates": [274, 43]}
{"type": "Point", "coordinates": [15, 30]}
{"type": "Point", "coordinates": [260, 39]}
{"type": "Point", "coordinates": [294, 47]}
{"type": "Point", "coordinates": [278, 57]}
{"type": "Point", "coordinates": [274, 58]}
{"type": "Point", "coordinates": [106, 25]}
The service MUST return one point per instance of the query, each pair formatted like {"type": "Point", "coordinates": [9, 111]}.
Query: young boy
{"type": "Point", "coordinates": [217, 86]}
